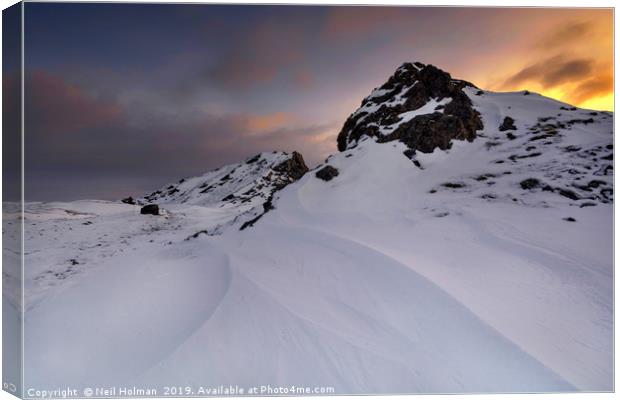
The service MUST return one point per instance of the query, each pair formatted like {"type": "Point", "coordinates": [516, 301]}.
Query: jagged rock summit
{"type": "Point", "coordinates": [420, 105]}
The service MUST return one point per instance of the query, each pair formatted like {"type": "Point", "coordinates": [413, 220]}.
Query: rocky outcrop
{"type": "Point", "coordinates": [385, 114]}
{"type": "Point", "coordinates": [292, 169]}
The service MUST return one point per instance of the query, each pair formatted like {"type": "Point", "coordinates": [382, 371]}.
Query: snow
{"type": "Point", "coordinates": [382, 280]}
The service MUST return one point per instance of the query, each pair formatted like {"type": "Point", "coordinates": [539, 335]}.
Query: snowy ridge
{"type": "Point", "coordinates": [469, 249]}
{"type": "Point", "coordinates": [248, 183]}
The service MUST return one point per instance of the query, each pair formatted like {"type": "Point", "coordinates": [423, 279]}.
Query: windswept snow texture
{"type": "Point", "coordinates": [487, 267]}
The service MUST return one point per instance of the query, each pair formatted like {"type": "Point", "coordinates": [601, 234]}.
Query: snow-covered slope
{"type": "Point", "coordinates": [475, 261]}
{"type": "Point", "coordinates": [251, 182]}
{"type": "Point", "coordinates": [238, 192]}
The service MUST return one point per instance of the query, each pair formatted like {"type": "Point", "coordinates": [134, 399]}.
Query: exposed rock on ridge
{"type": "Point", "coordinates": [420, 105]}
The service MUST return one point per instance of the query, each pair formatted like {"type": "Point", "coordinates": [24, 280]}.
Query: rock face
{"type": "Point", "coordinates": [327, 173]}
{"type": "Point", "coordinates": [420, 105]}
{"type": "Point", "coordinates": [292, 169]}
{"type": "Point", "coordinates": [150, 209]}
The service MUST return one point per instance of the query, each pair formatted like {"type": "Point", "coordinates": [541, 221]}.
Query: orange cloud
{"type": "Point", "coordinates": [570, 59]}
{"type": "Point", "coordinates": [268, 122]}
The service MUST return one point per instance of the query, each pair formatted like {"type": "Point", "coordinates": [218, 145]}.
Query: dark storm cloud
{"type": "Point", "coordinates": [74, 140]}
{"type": "Point", "coordinates": [552, 72]}
{"type": "Point", "coordinates": [60, 107]}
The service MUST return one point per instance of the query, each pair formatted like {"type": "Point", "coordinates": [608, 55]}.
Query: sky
{"type": "Point", "coordinates": [123, 98]}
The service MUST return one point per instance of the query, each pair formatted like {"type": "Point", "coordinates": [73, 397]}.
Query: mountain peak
{"type": "Point", "coordinates": [420, 105]}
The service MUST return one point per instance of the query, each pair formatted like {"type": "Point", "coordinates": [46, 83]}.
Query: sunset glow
{"type": "Point", "coordinates": [225, 82]}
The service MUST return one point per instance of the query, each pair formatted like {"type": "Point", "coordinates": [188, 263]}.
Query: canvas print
{"type": "Point", "coordinates": [224, 199]}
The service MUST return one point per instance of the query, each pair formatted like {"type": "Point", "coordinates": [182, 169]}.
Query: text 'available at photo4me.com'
{"type": "Point", "coordinates": [176, 391]}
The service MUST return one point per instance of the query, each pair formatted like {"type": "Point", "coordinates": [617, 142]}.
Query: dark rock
{"type": "Point", "coordinates": [152, 209]}
{"type": "Point", "coordinates": [454, 185]}
{"type": "Point", "coordinates": [580, 121]}
{"type": "Point", "coordinates": [568, 194]}
{"type": "Point", "coordinates": [457, 120]}
{"type": "Point", "coordinates": [128, 200]}
{"type": "Point", "coordinates": [570, 219]}
{"type": "Point", "coordinates": [295, 167]}
{"type": "Point", "coordinates": [195, 235]}
{"type": "Point", "coordinates": [409, 153]}
{"type": "Point", "coordinates": [507, 124]}
{"type": "Point", "coordinates": [531, 183]}
{"type": "Point", "coordinates": [327, 173]}
{"type": "Point", "coordinates": [253, 159]}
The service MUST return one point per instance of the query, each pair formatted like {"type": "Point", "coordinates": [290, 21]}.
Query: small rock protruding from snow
{"type": "Point", "coordinates": [150, 209]}
{"type": "Point", "coordinates": [327, 173]}
{"type": "Point", "coordinates": [128, 200]}
{"type": "Point", "coordinates": [508, 124]}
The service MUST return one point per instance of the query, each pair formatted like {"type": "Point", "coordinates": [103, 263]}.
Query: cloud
{"type": "Point", "coordinates": [98, 150]}
{"type": "Point", "coordinates": [345, 23]}
{"type": "Point", "coordinates": [593, 87]}
{"type": "Point", "coordinates": [259, 55]}
{"type": "Point", "coordinates": [552, 72]}
{"type": "Point", "coordinates": [304, 79]}
{"type": "Point", "coordinates": [566, 35]}
{"type": "Point", "coordinates": [267, 122]}
{"type": "Point", "coordinates": [59, 106]}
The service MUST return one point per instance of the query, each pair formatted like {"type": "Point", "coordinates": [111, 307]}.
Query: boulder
{"type": "Point", "coordinates": [128, 200]}
{"type": "Point", "coordinates": [295, 167]}
{"type": "Point", "coordinates": [327, 173]}
{"type": "Point", "coordinates": [152, 209]}
{"type": "Point", "coordinates": [507, 124]}
{"type": "Point", "coordinates": [530, 183]}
